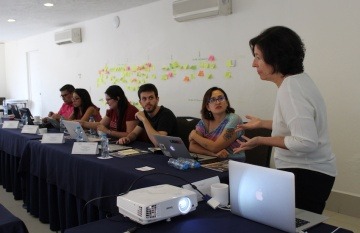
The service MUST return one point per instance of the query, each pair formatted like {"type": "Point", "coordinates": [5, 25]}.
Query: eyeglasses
{"type": "Point", "coordinates": [64, 95]}
{"type": "Point", "coordinates": [219, 99]}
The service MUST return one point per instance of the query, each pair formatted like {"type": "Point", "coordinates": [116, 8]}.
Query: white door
{"type": "Point", "coordinates": [34, 83]}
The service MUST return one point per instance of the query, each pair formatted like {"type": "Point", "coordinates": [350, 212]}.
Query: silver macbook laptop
{"type": "Point", "coordinates": [71, 127]}
{"type": "Point", "coordinates": [267, 196]}
{"type": "Point", "coordinates": [175, 147]}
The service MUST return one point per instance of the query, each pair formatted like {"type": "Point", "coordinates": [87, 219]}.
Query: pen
{"type": "Point", "coordinates": [335, 230]}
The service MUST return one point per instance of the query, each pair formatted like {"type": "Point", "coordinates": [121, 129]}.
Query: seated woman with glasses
{"type": "Point", "coordinates": [120, 118]}
{"type": "Point", "coordinates": [83, 106]}
{"type": "Point", "coordinates": [215, 134]}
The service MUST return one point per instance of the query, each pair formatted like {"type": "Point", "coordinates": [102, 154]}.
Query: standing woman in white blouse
{"type": "Point", "coordinates": [299, 125]}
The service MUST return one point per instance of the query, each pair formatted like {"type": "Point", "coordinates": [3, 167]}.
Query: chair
{"type": "Point", "coordinates": [185, 124]}
{"type": "Point", "coordinates": [260, 155]}
{"type": "Point", "coordinates": [1, 103]}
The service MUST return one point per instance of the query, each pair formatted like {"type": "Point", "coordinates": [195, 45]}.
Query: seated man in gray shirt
{"type": "Point", "coordinates": [154, 120]}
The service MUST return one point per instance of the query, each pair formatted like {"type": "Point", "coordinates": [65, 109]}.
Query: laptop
{"type": "Point", "coordinates": [71, 127]}
{"type": "Point", "coordinates": [267, 196]}
{"type": "Point", "coordinates": [26, 111]}
{"type": "Point", "coordinates": [55, 123]}
{"type": "Point", "coordinates": [15, 111]}
{"type": "Point", "coordinates": [174, 147]}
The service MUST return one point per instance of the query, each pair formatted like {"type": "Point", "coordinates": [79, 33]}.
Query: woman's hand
{"type": "Point", "coordinates": [222, 154]}
{"type": "Point", "coordinates": [102, 128]}
{"type": "Point", "coordinates": [248, 144]}
{"type": "Point", "coordinates": [253, 123]}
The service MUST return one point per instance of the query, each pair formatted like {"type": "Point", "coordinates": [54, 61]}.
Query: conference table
{"type": "Point", "coordinates": [65, 190]}
{"type": "Point", "coordinates": [203, 220]}
{"type": "Point", "coordinates": [9, 223]}
{"type": "Point", "coordinates": [57, 185]}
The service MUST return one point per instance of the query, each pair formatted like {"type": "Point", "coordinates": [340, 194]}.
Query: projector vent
{"type": "Point", "coordinates": [139, 212]}
{"type": "Point", "coordinates": [151, 212]}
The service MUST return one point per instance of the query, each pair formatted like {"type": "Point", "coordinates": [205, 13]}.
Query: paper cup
{"type": "Point", "coordinates": [220, 192]}
{"type": "Point", "coordinates": [37, 118]}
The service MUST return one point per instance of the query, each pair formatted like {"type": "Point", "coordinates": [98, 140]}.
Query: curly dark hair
{"type": "Point", "coordinates": [206, 114]}
{"type": "Point", "coordinates": [117, 93]}
{"type": "Point", "coordinates": [282, 48]}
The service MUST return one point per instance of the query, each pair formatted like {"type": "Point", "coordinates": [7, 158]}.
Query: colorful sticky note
{"type": "Point", "coordinates": [186, 79]}
{"type": "Point", "coordinates": [227, 74]}
{"type": "Point", "coordinates": [211, 58]}
{"type": "Point", "coordinates": [201, 73]}
{"type": "Point", "coordinates": [209, 76]}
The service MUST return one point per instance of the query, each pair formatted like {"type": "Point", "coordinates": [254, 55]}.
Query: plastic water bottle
{"type": "Point", "coordinates": [5, 109]}
{"type": "Point", "coordinates": [92, 131]}
{"type": "Point", "coordinates": [24, 119]}
{"type": "Point", "coordinates": [178, 164]}
{"type": "Point", "coordinates": [79, 134]}
{"type": "Point", "coordinates": [62, 126]}
{"type": "Point", "coordinates": [104, 146]}
{"type": "Point", "coordinates": [191, 162]}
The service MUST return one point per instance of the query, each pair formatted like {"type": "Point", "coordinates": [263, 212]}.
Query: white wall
{"type": "Point", "coordinates": [2, 71]}
{"type": "Point", "coordinates": [148, 33]}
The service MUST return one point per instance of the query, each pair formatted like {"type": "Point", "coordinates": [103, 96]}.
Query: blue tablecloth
{"type": "Point", "coordinates": [9, 223]}
{"type": "Point", "coordinates": [60, 184]}
{"type": "Point", "coordinates": [203, 220]}
{"type": "Point", "coordinates": [12, 145]}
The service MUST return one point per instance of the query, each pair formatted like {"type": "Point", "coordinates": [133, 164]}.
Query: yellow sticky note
{"type": "Point", "coordinates": [227, 74]}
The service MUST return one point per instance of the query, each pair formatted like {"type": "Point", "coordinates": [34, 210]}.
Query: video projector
{"type": "Point", "coordinates": [156, 203]}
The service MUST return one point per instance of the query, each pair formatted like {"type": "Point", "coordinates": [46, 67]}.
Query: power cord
{"type": "Point", "coordinates": [205, 197]}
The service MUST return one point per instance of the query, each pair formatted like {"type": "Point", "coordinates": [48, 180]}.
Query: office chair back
{"type": "Point", "coordinates": [260, 155]}
{"type": "Point", "coordinates": [185, 126]}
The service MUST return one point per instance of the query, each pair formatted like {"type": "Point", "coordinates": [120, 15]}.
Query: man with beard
{"type": "Point", "coordinates": [154, 120]}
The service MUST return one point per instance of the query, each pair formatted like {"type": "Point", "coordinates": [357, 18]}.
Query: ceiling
{"type": "Point", "coordinates": [32, 17]}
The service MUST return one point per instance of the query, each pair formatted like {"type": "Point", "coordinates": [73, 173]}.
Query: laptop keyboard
{"type": "Point", "coordinates": [300, 222]}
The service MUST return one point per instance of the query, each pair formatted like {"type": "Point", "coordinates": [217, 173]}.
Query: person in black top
{"type": "Point", "coordinates": [154, 120]}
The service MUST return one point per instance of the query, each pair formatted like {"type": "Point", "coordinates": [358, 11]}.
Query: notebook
{"type": "Point", "coordinates": [267, 196]}
{"type": "Point", "coordinates": [175, 147]}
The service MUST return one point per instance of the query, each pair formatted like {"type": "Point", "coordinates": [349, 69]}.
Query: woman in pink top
{"type": "Point", "coordinates": [83, 106]}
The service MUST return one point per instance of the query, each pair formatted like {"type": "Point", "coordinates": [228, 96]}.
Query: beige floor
{"type": "Point", "coordinates": [35, 226]}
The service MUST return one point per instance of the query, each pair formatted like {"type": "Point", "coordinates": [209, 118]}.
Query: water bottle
{"type": "Point", "coordinates": [92, 131]}
{"type": "Point", "coordinates": [24, 119]}
{"type": "Point", "coordinates": [104, 146]}
{"type": "Point", "coordinates": [5, 109]}
{"type": "Point", "coordinates": [62, 126]}
{"type": "Point", "coordinates": [178, 164]}
{"type": "Point", "coordinates": [79, 134]}
{"type": "Point", "coordinates": [191, 162]}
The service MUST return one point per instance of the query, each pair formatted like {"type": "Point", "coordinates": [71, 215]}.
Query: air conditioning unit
{"type": "Point", "coordinates": [184, 10]}
{"type": "Point", "coordinates": [68, 36]}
